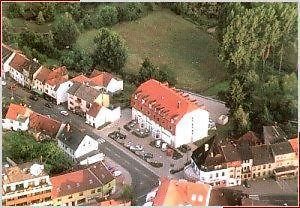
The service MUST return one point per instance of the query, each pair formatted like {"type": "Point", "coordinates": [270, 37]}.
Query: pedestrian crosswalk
{"type": "Point", "coordinates": [101, 140]}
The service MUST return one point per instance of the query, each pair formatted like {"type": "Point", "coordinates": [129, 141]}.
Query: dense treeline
{"type": "Point", "coordinates": [22, 147]}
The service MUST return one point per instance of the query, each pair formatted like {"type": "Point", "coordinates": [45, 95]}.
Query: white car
{"type": "Point", "coordinates": [117, 173]}
{"type": "Point", "coordinates": [65, 113]}
{"type": "Point", "coordinates": [3, 82]}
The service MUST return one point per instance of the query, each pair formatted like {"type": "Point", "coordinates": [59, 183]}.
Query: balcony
{"type": "Point", "coordinates": [30, 188]}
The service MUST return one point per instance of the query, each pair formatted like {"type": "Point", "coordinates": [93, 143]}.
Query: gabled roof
{"type": "Point", "coordinates": [57, 76]}
{"type": "Point", "coordinates": [262, 155]}
{"type": "Point", "coordinates": [6, 52]}
{"type": "Point", "coordinates": [100, 78]}
{"type": "Point", "coordinates": [273, 134]}
{"type": "Point", "coordinates": [80, 79]}
{"type": "Point", "coordinates": [92, 177]}
{"type": "Point", "coordinates": [42, 76]}
{"type": "Point", "coordinates": [295, 144]}
{"type": "Point", "coordinates": [84, 92]}
{"type": "Point", "coordinates": [44, 124]}
{"type": "Point", "coordinates": [72, 137]}
{"type": "Point", "coordinates": [165, 105]}
{"type": "Point", "coordinates": [19, 62]}
{"type": "Point", "coordinates": [17, 112]}
{"type": "Point", "coordinates": [225, 197]}
{"type": "Point", "coordinates": [182, 192]}
{"type": "Point", "coordinates": [94, 109]}
{"type": "Point", "coordinates": [281, 148]}
{"type": "Point", "coordinates": [231, 152]}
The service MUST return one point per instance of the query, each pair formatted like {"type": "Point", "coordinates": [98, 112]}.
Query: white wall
{"type": "Point", "coordinates": [6, 66]}
{"type": "Point", "coordinates": [15, 125]}
{"type": "Point", "coordinates": [114, 85]}
{"type": "Point", "coordinates": [17, 76]}
{"type": "Point", "coordinates": [211, 176]}
{"type": "Point", "coordinates": [192, 127]}
{"type": "Point", "coordinates": [61, 93]}
{"type": "Point", "coordinates": [103, 116]}
{"type": "Point", "coordinates": [87, 145]}
{"type": "Point", "coordinates": [152, 126]}
{"type": "Point", "coordinates": [93, 159]}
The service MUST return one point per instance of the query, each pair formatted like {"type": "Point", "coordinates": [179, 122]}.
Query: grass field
{"type": "Point", "coordinates": [168, 39]}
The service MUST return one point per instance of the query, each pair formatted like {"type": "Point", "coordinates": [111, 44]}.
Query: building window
{"type": "Point", "coordinates": [223, 174]}
{"type": "Point", "coordinates": [88, 105]}
{"type": "Point", "coordinates": [81, 194]}
{"type": "Point", "coordinates": [264, 166]}
{"type": "Point", "coordinates": [253, 168]}
{"type": "Point", "coordinates": [78, 100]}
{"type": "Point", "coordinates": [99, 190]}
{"type": "Point", "coordinates": [70, 197]}
{"type": "Point", "coordinates": [59, 200]}
{"type": "Point", "coordinates": [93, 191]}
{"type": "Point", "coordinates": [217, 175]}
{"type": "Point", "coordinates": [269, 165]}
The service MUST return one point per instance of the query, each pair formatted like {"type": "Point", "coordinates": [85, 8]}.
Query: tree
{"type": "Point", "coordinates": [107, 16]}
{"type": "Point", "coordinates": [65, 31]}
{"type": "Point", "coordinates": [235, 95]}
{"type": "Point", "coordinates": [7, 31]}
{"type": "Point", "coordinates": [241, 120]}
{"type": "Point", "coordinates": [130, 11]}
{"type": "Point", "coordinates": [128, 194]}
{"type": "Point", "coordinates": [148, 71]}
{"type": "Point", "coordinates": [40, 18]}
{"type": "Point", "coordinates": [110, 51]}
{"type": "Point", "coordinates": [77, 59]}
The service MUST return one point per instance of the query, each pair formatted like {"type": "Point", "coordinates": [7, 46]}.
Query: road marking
{"type": "Point", "coordinates": [117, 155]}
{"type": "Point", "coordinates": [137, 169]}
{"type": "Point", "coordinates": [101, 140]}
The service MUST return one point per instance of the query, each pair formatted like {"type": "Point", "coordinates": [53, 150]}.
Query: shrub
{"type": "Point", "coordinates": [130, 11]}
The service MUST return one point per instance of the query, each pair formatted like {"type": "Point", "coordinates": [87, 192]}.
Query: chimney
{"type": "Point", "coordinates": [178, 104]}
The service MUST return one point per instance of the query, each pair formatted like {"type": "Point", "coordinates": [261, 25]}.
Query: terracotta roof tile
{"type": "Point", "coordinates": [294, 143]}
{"type": "Point", "coordinates": [42, 76]}
{"type": "Point", "coordinates": [19, 62]}
{"type": "Point", "coordinates": [57, 76]}
{"type": "Point", "coordinates": [100, 78]}
{"type": "Point", "coordinates": [92, 177]}
{"type": "Point", "coordinates": [6, 52]}
{"type": "Point", "coordinates": [16, 112]}
{"type": "Point", "coordinates": [44, 124]}
{"type": "Point", "coordinates": [182, 192]}
{"type": "Point", "coordinates": [80, 78]}
{"type": "Point", "coordinates": [162, 103]}
{"type": "Point", "coordinates": [94, 110]}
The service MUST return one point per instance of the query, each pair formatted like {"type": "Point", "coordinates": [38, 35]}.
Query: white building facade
{"type": "Point", "coordinates": [115, 85]}
{"type": "Point", "coordinates": [168, 114]}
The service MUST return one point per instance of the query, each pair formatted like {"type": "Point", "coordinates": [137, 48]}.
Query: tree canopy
{"type": "Point", "coordinates": [111, 51]}
{"type": "Point", "coordinates": [65, 31]}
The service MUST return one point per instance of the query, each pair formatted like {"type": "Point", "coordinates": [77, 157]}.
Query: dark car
{"type": "Point", "coordinates": [148, 155]}
{"type": "Point", "coordinates": [48, 105]}
{"type": "Point", "coordinates": [33, 97]}
{"type": "Point", "coordinates": [246, 184]}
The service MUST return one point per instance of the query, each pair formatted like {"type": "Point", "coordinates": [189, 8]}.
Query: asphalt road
{"type": "Point", "coordinates": [143, 180]}
{"type": "Point", "coordinates": [280, 200]}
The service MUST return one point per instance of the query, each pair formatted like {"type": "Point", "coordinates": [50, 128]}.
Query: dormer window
{"type": "Point", "coordinates": [143, 101]}
{"type": "Point", "coordinates": [135, 97]}
{"type": "Point", "coordinates": [172, 120]}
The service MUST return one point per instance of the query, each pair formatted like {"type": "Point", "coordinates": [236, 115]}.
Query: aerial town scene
{"type": "Point", "coordinates": [149, 104]}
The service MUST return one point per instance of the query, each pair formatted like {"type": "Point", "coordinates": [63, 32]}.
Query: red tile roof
{"type": "Point", "coordinates": [18, 62]}
{"type": "Point", "coordinates": [92, 177]}
{"type": "Point", "coordinates": [80, 78]}
{"type": "Point", "coordinates": [113, 202]}
{"type": "Point", "coordinates": [94, 110]}
{"type": "Point", "coordinates": [294, 143]}
{"type": "Point", "coordinates": [43, 74]}
{"type": "Point", "coordinates": [16, 111]}
{"type": "Point", "coordinates": [57, 76]}
{"type": "Point", "coordinates": [182, 192]}
{"type": "Point", "coordinates": [44, 124]}
{"type": "Point", "coordinates": [165, 105]}
{"type": "Point", "coordinates": [100, 78]}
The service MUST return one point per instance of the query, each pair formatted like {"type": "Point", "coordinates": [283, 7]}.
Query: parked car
{"type": "Point", "coordinates": [3, 82]}
{"type": "Point", "coordinates": [128, 145]}
{"type": "Point", "coordinates": [48, 105]}
{"type": "Point", "coordinates": [117, 173]}
{"type": "Point", "coordinates": [33, 97]}
{"type": "Point", "coordinates": [246, 184]}
{"type": "Point", "coordinates": [136, 148]}
{"type": "Point", "coordinates": [65, 113]}
{"type": "Point", "coordinates": [148, 155]}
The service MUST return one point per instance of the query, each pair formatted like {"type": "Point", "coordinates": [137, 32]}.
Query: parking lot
{"type": "Point", "coordinates": [141, 146]}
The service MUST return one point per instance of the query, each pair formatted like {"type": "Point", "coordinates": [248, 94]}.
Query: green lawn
{"type": "Point", "coordinates": [168, 39]}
